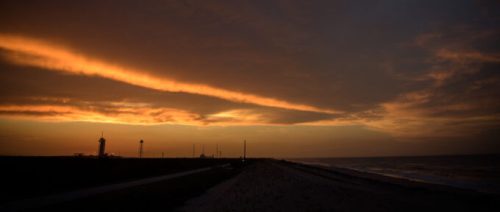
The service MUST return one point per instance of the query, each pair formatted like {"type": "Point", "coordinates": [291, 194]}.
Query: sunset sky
{"type": "Point", "coordinates": [294, 78]}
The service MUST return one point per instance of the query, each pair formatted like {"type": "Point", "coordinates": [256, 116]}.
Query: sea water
{"type": "Point", "coordinates": [476, 172]}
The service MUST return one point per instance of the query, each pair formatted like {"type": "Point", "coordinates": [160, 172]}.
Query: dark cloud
{"type": "Point", "coordinates": [335, 50]}
{"type": "Point", "coordinates": [466, 78]}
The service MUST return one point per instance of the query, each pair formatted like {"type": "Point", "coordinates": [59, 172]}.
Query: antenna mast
{"type": "Point", "coordinates": [140, 148]}
{"type": "Point", "coordinates": [244, 150]}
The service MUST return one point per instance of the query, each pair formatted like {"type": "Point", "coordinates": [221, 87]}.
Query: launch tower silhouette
{"type": "Point", "coordinates": [102, 146]}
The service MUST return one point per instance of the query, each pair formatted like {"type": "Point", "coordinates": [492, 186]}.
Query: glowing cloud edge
{"type": "Point", "coordinates": [32, 52]}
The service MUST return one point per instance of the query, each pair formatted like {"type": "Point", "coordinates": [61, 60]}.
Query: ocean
{"type": "Point", "coordinates": [476, 172]}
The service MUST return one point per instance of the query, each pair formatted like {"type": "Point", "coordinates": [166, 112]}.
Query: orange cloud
{"type": "Point", "coordinates": [238, 116]}
{"type": "Point", "coordinates": [32, 52]}
{"type": "Point", "coordinates": [416, 115]}
{"type": "Point", "coordinates": [461, 56]}
{"type": "Point", "coordinates": [130, 113]}
{"type": "Point", "coordinates": [122, 115]}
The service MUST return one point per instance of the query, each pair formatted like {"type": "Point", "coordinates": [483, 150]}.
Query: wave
{"type": "Point", "coordinates": [474, 173]}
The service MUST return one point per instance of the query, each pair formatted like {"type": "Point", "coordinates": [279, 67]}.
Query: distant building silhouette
{"type": "Point", "coordinates": [202, 155]}
{"type": "Point", "coordinates": [102, 146]}
{"type": "Point", "coordinates": [79, 154]}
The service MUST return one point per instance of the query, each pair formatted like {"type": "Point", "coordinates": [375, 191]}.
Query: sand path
{"type": "Point", "coordinates": [281, 186]}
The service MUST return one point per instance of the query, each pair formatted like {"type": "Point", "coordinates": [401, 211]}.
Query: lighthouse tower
{"type": "Point", "coordinates": [102, 145]}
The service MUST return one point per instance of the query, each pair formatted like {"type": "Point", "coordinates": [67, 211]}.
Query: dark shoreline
{"type": "Point", "coordinates": [379, 178]}
{"type": "Point", "coordinates": [404, 156]}
{"type": "Point", "coordinates": [479, 172]}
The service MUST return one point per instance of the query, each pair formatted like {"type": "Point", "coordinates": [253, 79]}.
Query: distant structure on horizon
{"type": "Point", "coordinates": [102, 146]}
{"type": "Point", "coordinates": [244, 150]}
{"type": "Point", "coordinates": [140, 148]}
{"type": "Point", "coordinates": [202, 155]}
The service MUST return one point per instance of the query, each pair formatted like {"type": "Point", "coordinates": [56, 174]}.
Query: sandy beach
{"type": "Point", "coordinates": [273, 185]}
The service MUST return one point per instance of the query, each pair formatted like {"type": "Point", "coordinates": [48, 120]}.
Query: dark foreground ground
{"type": "Point", "coordinates": [257, 185]}
{"type": "Point", "coordinates": [24, 179]}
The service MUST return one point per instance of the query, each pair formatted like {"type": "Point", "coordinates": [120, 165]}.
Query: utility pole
{"type": "Point", "coordinates": [244, 150]}
{"type": "Point", "coordinates": [140, 148]}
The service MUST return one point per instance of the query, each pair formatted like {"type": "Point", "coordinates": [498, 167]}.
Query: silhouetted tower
{"type": "Point", "coordinates": [102, 145]}
{"type": "Point", "coordinates": [140, 148]}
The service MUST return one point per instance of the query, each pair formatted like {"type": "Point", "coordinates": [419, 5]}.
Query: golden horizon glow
{"type": "Point", "coordinates": [132, 114]}
{"type": "Point", "coordinates": [124, 115]}
{"type": "Point", "coordinates": [32, 52]}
